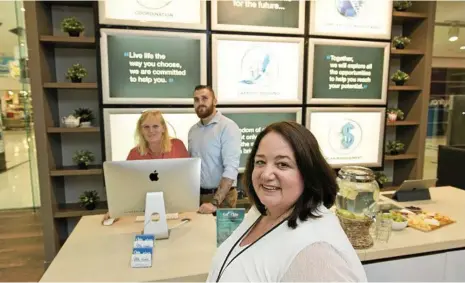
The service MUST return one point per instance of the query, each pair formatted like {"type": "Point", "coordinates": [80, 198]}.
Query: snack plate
{"type": "Point", "coordinates": [426, 221]}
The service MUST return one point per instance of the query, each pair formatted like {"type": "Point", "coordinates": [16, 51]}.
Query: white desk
{"type": "Point", "coordinates": [102, 253]}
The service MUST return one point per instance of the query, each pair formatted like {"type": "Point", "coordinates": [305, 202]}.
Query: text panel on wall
{"type": "Point", "coordinates": [151, 66]}
{"type": "Point", "coordinates": [354, 19]}
{"type": "Point", "coordinates": [347, 72]}
{"type": "Point", "coordinates": [189, 14]}
{"type": "Point", "coordinates": [282, 16]}
{"type": "Point", "coordinates": [349, 136]}
{"type": "Point", "coordinates": [257, 69]}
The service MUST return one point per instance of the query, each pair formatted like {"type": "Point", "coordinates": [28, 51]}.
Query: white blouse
{"type": "Point", "coordinates": [317, 250]}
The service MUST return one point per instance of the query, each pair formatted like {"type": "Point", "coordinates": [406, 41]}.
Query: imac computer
{"type": "Point", "coordinates": [128, 182]}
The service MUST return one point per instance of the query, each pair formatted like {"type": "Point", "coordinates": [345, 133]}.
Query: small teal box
{"type": "Point", "coordinates": [227, 220]}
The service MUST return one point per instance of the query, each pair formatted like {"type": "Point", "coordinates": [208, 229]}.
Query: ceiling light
{"type": "Point", "coordinates": [462, 47]}
{"type": "Point", "coordinates": [453, 33]}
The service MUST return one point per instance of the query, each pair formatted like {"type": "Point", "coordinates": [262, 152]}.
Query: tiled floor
{"type": "Point", "coordinates": [19, 184]}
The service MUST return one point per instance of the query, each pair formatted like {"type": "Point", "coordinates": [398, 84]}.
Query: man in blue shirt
{"type": "Point", "coordinates": [216, 139]}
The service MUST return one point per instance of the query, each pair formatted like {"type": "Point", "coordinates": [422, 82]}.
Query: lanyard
{"type": "Point", "coordinates": [223, 267]}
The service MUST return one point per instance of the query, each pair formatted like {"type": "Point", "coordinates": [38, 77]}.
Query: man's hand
{"type": "Point", "coordinates": [207, 208]}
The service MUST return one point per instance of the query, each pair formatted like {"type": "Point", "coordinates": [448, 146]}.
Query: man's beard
{"type": "Point", "coordinates": [205, 113]}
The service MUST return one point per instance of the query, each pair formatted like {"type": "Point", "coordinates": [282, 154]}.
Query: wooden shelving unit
{"type": "Point", "coordinates": [68, 42]}
{"type": "Point", "coordinates": [399, 18]}
{"type": "Point", "coordinates": [404, 88]}
{"type": "Point", "coordinates": [402, 123]}
{"type": "Point", "coordinates": [74, 210]}
{"type": "Point", "coordinates": [401, 156]}
{"type": "Point", "coordinates": [56, 97]}
{"type": "Point", "coordinates": [412, 98]}
{"type": "Point", "coordinates": [74, 171]}
{"type": "Point", "coordinates": [66, 85]}
{"type": "Point", "coordinates": [404, 52]}
{"type": "Point", "coordinates": [59, 130]}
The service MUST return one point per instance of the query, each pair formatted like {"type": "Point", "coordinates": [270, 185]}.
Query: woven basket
{"type": "Point", "coordinates": [358, 231]}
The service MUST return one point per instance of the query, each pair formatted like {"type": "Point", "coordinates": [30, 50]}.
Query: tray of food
{"type": "Point", "coordinates": [424, 220]}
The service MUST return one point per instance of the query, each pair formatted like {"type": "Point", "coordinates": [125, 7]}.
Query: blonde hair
{"type": "Point", "coordinates": [142, 145]}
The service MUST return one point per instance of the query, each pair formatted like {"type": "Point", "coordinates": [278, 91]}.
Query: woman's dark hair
{"type": "Point", "coordinates": [318, 177]}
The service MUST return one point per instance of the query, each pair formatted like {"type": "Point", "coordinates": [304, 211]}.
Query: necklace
{"type": "Point", "coordinates": [224, 266]}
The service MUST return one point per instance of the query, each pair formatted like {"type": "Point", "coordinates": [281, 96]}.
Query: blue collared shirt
{"type": "Point", "coordinates": [218, 144]}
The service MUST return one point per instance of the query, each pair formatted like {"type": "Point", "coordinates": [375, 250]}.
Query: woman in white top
{"type": "Point", "coordinates": [289, 234]}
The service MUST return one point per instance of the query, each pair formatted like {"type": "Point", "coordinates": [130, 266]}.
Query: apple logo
{"type": "Point", "coordinates": [153, 176]}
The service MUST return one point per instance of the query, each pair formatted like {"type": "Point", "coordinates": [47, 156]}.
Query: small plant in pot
{"type": "Point", "coordinates": [381, 178]}
{"type": "Point", "coordinates": [86, 116]}
{"type": "Point", "coordinates": [72, 26]}
{"type": "Point", "coordinates": [394, 147]}
{"type": "Point", "coordinates": [83, 158]}
{"type": "Point", "coordinates": [76, 73]}
{"type": "Point", "coordinates": [89, 199]}
{"type": "Point", "coordinates": [399, 77]}
{"type": "Point", "coordinates": [400, 42]}
{"type": "Point", "coordinates": [395, 114]}
{"type": "Point", "coordinates": [402, 5]}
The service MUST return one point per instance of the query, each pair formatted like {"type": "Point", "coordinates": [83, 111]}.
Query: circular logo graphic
{"type": "Point", "coordinates": [349, 8]}
{"type": "Point", "coordinates": [154, 4]}
{"type": "Point", "coordinates": [345, 136]}
{"type": "Point", "coordinates": [258, 66]}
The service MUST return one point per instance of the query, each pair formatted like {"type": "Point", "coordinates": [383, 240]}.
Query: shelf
{"type": "Point", "coordinates": [71, 85]}
{"type": "Point", "coordinates": [243, 201]}
{"type": "Point", "coordinates": [73, 130]}
{"type": "Point", "coordinates": [400, 156]}
{"type": "Point", "coordinates": [401, 17]}
{"type": "Point", "coordinates": [404, 88]}
{"type": "Point", "coordinates": [74, 171]}
{"type": "Point", "coordinates": [407, 51]}
{"type": "Point", "coordinates": [448, 82]}
{"type": "Point", "coordinates": [389, 187]}
{"type": "Point", "coordinates": [68, 210]}
{"type": "Point", "coordinates": [402, 123]}
{"type": "Point", "coordinates": [68, 41]}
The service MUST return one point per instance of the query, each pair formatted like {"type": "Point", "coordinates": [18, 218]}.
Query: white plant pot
{"type": "Point", "coordinates": [392, 117]}
{"type": "Point", "coordinates": [85, 124]}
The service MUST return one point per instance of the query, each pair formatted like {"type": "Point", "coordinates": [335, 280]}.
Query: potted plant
{"type": "Point", "coordinates": [402, 5]}
{"type": "Point", "coordinates": [400, 42]}
{"type": "Point", "coordinates": [395, 114]}
{"type": "Point", "coordinates": [83, 158]}
{"type": "Point", "coordinates": [72, 26]}
{"type": "Point", "coordinates": [394, 147]}
{"type": "Point", "coordinates": [399, 77]}
{"type": "Point", "coordinates": [86, 116]}
{"type": "Point", "coordinates": [89, 199]}
{"type": "Point", "coordinates": [380, 178]}
{"type": "Point", "coordinates": [76, 73]}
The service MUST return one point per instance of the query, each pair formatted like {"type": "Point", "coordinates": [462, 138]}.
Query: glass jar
{"type": "Point", "coordinates": [358, 191]}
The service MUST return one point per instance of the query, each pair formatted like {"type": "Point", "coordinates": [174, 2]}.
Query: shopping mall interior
{"type": "Point", "coordinates": [21, 237]}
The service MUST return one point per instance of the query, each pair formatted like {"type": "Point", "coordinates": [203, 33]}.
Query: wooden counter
{"type": "Point", "coordinates": [102, 253]}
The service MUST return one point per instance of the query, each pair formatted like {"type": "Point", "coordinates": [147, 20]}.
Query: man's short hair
{"type": "Point", "coordinates": [200, 87]}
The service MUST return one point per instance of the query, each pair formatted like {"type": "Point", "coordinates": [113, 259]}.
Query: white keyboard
{"type": "Point", "coordinates": [169, 216]}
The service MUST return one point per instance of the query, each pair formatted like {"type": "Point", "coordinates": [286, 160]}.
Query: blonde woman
{"type": "Point", "coordinates": [153, 140]}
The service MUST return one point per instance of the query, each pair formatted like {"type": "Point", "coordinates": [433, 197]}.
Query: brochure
{"type": "Point", "coordinates": [227, 220]}
{"type": "Point", "coordinates": [142, 251]}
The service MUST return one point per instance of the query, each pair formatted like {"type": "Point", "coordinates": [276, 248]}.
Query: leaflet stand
{"type": "Point", "coordinates": [414, 194]}
{"type": "Point", "coordinates": [155, 204]}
